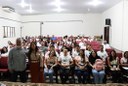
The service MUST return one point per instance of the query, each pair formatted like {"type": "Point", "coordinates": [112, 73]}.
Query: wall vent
{"type": "Point", "coordinates": [8, 9]}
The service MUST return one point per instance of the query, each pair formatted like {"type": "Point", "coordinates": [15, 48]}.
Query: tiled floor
{"type": "Point", "coordinates": [44, 84]}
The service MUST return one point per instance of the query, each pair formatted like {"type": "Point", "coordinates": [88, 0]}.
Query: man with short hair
{"type": "Point", "coordinates": [65, 61]}
{"type": "Point", "coordinates": [17, 62]}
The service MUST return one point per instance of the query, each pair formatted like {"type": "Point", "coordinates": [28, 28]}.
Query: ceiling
{"type": "Point", "coordinates": [70, 6]}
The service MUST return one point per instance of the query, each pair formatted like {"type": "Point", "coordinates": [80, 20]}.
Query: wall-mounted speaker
{"type": "Point", "coordinates": [108, 21]}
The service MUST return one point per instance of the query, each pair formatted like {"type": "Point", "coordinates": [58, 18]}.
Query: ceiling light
{"type": "Point", "coordinates": [95, 2]}
{"type": "Point", "coordinates": [30, 9]}
{"type": "Point", "coordinates": [57, 3]}
{"type": "Point", "coordinates": [23, 4]}
{"type": "Point", "coordinates": [88, 9]}
{"type": "Point", "coordinates": [59, 9]}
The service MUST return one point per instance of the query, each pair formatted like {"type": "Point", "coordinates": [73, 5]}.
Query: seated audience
{"type": "Point", "coordinates": [51, 48]}
{"type": "Point", "coordinates": [113, 63]}
{"type": "Point", "coordinates": [58, 46]}
{"type": "Point", "coordinates": [98, 71]}
{"type": "Point", "coordinates": [81, 69]}
{"type": "Point", "coordinates": [92, 58]}
{"type": "Point", "coordinates": [124, 64]}
{"type": "Point", "coordinates": [10, 45]}
{"type": "Point", "coordinates": [88, 50]}
{"type": "Point", "coordinates": [82, 44]}
{"type": "Point", "coordinates": [62, 53]}
{"type": "Point", "coordinates": [102, 53]}
{"type": "Point", "coordinates": [43, 47]}
{"type": "Point", "coordinates": [68, 56]}
{"type": "Point", "coordinates": [65, 61]}
{"type": "Point", "coordinates": [53, 38]}
{"type": "Point", "coordinates": [106, 45]}
{"type": "Point", "coordinates": [90, 39]}
{"type": "Point", "coordinates": [49, 64]}
{"type": "Point", "coordinates": [25, 47]}
{"type": "Point", "coordinates": [76, 51]}
{"type": "Point", "coordinates": [124, 60]}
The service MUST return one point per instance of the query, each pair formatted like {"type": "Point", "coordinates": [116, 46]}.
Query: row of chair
{"type": "Point", "coordinates": [3, 66]}
{"type": "Point", "coordinates": [4, 63]}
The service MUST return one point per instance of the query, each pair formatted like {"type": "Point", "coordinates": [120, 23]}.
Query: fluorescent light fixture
{"type": "Point", "coordinates": [23, 4]}
{"type": "Point", "coordinates": [30, 9]}
{"type": "Point", "coordinates": [88, 9]}
{"type": "Point", "coordinates": [95, 2]}
{"type": "Point", "coordinates": [59, 9]}
{"type": "Point", "coordinates": [57, 3]}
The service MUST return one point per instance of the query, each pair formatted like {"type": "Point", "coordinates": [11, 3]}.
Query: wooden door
{"type": "Point", "coordinates": [106, 34]}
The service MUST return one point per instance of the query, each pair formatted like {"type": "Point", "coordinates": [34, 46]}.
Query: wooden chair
{"type": "Point", "coordinates": [3, 66]}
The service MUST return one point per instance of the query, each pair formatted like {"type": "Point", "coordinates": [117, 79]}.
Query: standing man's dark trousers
{"type": "Point", "coordinates": [22, 75]}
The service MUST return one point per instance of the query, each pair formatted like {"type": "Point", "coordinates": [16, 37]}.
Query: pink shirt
{"type": "Point", "coordinates": [99, 64]}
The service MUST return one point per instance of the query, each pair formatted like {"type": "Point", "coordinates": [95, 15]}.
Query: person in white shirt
{"type": "Point", "coordinates": [82, 44]}
{"type": "Point", "coordinates": [90, 39]}
{"type": "Point", "coordinates": [38, 44]}
{"type": "Point", "coordinates": [124, 64]}
{"type": "Point", "coordinates": [65, 38]}
{"type": "Point", "coordinates": [78, 39]}
{"type": "Point", "coordinates": [58, 46]}
{"type": "Point", "coordinates": [51, 48]}
{"type": "Point", "coordinates": [88, 50]}
{"type": "Point", "coordinates": [106, 45]}
{"type": "Point", "coordinates": [10, 45]}
{"type": "Point", "coordinates": [62, 53]}
{"type": "Point", "coordinates": [124, 60]}
{"type": "Point", "coordinates": [65, 61]}
{"type": "Point", "coordinates": [69, 42]}
{"type": "Point", "coordinates": [75, 51]}
{"type": "Point", "coordinates": [102, 53]}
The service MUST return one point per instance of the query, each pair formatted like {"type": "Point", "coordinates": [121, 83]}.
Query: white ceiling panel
{"type": "Point", "coordinates": [70, 6]}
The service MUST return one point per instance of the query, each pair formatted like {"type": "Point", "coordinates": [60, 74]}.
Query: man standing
{"type": "Point", "coordinates": [17, 62]}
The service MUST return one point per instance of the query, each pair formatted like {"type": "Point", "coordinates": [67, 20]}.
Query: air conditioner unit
{"type": "Point", "coordinates": [8, 9]}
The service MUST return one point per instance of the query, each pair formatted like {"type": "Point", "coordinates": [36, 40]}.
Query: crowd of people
{"type": "Point", "coordinates": [64, 57]}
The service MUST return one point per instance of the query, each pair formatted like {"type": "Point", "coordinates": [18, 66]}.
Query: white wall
{"type": "Point", "coordinates": [31, 29]}
{"type": "Point", "coordinates": [125, 28]}
{"type": "Point", "coordinates": [63, 24]}
{"type": "Point", "coordinates": [63, 28]}
{"type": "Point", "coordinates": [9, 19]}
{"type": "Point", "coordinates": [119, 21]}
{"type": "Point", "coordinates": [115, 14]}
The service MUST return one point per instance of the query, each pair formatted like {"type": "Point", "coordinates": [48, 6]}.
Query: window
{"type": "Point", "coordinates": [8, 32]}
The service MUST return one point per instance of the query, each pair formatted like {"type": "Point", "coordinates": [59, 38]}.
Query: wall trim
{"type": "Point", "coordinates": [55, 21]}
{"type": "Point", "coordinates": [41, 21]}
{"type": "Point", "coordinates": [10, 19]}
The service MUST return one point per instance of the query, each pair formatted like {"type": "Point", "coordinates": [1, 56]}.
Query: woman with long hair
{"type": "Point", "coordinates": [81, 70]}
{"type": "Point", "coordinates": [113, 63]}
{"type": "Point", "coordinates": [50, 63]}
{"type": "Point", "coordinates": [36, 63]}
